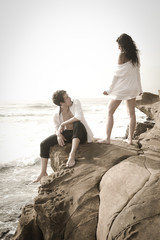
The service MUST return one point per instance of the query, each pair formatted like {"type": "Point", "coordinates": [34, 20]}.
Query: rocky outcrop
{"type": "Point", "coordinates": [140, 128]}
{"type": "Point", "coordinates": [28, 227]}
{"type": "Point", "coordinates": [148, 104]}
{"type": "Point", "coordinates": [147, 98]}
{"type": "Point", "coordinates": [128, 210]}
{"type": "Point", "coordinates": [113, 192]}
{"type": "Point", "coordinates": [67, 205]}
{"type": "Point", "coordinates": [150, 140]}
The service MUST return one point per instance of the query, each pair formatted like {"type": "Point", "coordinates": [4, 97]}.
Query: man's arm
{"type": "Point", "coordinates": [60, 138]}
{"type": "Point", "coordinates": [69, 121]}
{"type": "Point", "coordinates": [77, 112]}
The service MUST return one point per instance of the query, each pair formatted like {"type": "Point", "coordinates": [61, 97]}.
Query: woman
{"type": "Point", "coordinates": [126, 85]}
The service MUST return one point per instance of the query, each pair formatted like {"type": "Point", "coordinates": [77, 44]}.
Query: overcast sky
{"type": "Point", "coordinates": [47, 45]}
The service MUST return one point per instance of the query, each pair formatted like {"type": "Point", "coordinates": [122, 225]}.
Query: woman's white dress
{"type": "Point", "coordinates": [126, 83]}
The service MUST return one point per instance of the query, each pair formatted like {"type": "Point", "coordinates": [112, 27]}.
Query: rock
{"type": "Point", "coordinates": [140, 128]}
{"type": "Point", "coordinates": [27, 228]}
{"type": "Point", "coordinates": [150, 140]}
{"type": "Point", "coordinates": [148, 104]}
{"type": "Point", "coordinates": [150, 110]}
{"type": "Point", "coordinates": [147, 98]}
{"type": "Point", "coordinates": [68, 201]}
{"type": "Point", "coordinates": [128, 210]}
{"type": "Point", "coordinates": [68, 206]}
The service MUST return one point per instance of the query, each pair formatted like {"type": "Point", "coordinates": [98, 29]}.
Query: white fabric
{"type": "Point", "coordinates": [77, 112]}
{"type": "Point", "coordinates": [126, 83]}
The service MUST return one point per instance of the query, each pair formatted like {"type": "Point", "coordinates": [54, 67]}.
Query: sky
{"type": "Point", "coordinates": [46, 45]}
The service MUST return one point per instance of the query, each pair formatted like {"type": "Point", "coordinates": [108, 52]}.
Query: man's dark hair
{"type": "Point", "coordinates": [58, 97]}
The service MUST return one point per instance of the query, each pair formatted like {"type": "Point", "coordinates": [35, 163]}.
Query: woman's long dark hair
{"type": "Point", "coordinates": [129, 48]}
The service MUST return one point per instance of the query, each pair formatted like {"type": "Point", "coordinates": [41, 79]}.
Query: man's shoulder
{"type": "Point", "coordinates": [76, 100]}
{"type": "Point", "coordinates": [76, 103]}
{"type": "Point", "coordinates": [56, 111]}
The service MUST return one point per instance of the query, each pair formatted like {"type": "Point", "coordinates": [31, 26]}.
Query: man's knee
{"type": "Point", "coordinates": [42, 144]}
{"type": "Point", "coordinates": [79, 131]}
{"type": "Point", "coordinates": [77, 124]}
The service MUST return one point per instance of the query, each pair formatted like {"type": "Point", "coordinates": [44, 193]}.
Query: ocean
{"type": "Point", "coordinates": [22, 128]}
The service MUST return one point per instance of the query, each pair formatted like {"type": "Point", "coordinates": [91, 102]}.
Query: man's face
{"type": "Point", "coordinates": [67, 100]}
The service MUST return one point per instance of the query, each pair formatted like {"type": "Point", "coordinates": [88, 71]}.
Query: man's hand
{"type": "Point", "coordinates": [61, 140]}
{"type": "Point", "coordinates": [60, 129]}
{"type": "Point", "coordinates": [105, 93]}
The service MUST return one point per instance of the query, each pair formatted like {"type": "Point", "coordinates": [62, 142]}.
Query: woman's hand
{"type": "Point", "coordinates": [105, 93]}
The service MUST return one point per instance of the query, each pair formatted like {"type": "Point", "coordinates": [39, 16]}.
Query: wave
{"type": "Point", "coordinates": [21, 110]}
{"type": "Point", "coordinates": [24, 114]}
{"type": "Point", "coordinates": [14, 164]}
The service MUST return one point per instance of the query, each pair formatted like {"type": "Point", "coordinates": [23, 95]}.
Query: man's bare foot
{"type": "Point", "coordinates": [40, 176]}
{"type": "Point", "coordinates": [104, 141]}
{"type": "Point", "coordinates": [71, 161]}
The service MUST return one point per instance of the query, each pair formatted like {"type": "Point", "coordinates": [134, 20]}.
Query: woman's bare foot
{"type": "Point", "coordinates": [129, 141]}
{"type": "Point", "coordinates": [104, 141]}
{"type": "Point", "coordinates": [71, 161]}
{"type": "Point", "coordinates": [40, 176]}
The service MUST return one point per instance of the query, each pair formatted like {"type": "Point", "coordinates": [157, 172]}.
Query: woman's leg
{"type": "Point", "coordinates": [112, 106]}
{"type": "Point", "coordinates": [44, 153]}
{"type": "Point", "coordinates": [132, 123]}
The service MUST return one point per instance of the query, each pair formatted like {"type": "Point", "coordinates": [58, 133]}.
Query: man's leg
{"type": "Point", "coordinates": [72, 155]}
{"type": "Point", "coordinates": [44, 162]}
{"type": "Point", "coordinates": [44, 153]}
{"type": "Point", "coordinates": [79, 136]}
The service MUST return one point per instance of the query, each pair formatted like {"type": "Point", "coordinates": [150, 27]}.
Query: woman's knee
{"type": "Point", "coordinates": [112, 106]}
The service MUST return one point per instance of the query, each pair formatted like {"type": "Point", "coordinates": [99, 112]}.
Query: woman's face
{"type": "Point", "coordinates": [119, 47]}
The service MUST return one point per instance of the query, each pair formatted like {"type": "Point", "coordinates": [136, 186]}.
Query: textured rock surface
{"type": "Point", "coordinates": [140, 128]}
{"type": "Point", "coordinates": [149, 104]}
{"type": "Point", "coordinates": [130, 200]}
{"type": "Point", "coordinates": [68, 201]}
{"type": "Point", "coordinates": [150, 140]}
{"type": "Point", "coordinates": [27, 227]}
{"type": "Point", "coordinates": [147, 98]}
{"type": "Point", "coordinates": [113, 192]}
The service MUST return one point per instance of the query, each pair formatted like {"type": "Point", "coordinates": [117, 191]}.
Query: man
{"type": "Point", "coordinates": [70, 127]}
